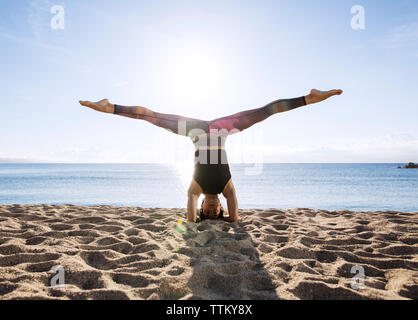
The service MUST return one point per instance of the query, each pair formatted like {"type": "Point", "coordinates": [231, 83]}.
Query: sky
{"type": "Point", "coordinates": [208, 59]}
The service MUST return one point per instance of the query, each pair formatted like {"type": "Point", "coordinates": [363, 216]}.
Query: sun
{"type": "Point", "coordinates": [195, 73]}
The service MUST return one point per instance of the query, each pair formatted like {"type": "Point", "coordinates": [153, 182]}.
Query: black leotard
{"type": "Point", "coordinates": [211, 169]}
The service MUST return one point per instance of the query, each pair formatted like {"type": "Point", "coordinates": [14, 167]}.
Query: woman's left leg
{"type": "Point", "coordinates": [245, 119]}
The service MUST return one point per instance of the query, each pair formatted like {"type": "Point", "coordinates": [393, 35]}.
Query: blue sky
{"type": "Point", "coordinates": [207, 59]}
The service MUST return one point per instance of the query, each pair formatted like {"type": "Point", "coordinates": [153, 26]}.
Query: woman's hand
{"type": "Point", "coordinates": [230, 219]}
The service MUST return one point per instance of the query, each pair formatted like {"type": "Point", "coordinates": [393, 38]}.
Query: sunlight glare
{"type": "Point", "coordinates": [185, 174]}
{"type": "Point", "coordinates": [194, 74]}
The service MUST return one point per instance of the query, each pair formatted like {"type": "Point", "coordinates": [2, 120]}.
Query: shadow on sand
{"type": "Point", "coordinates": [226, 263]}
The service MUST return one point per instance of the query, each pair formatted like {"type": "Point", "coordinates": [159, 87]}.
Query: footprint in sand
{"type": "Point", "coordinates": [85, 279]}
{"type": "Point", "coordinates": [12, 260]}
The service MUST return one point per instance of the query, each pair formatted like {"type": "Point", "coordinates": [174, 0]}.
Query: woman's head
{"type": "Point", "coordinates": [211, 207]}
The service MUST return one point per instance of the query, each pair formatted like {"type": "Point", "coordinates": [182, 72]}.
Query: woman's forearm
{"type": "Point", "coordinates": [232, 203]}
{"type": "Point", "coordinates": [192, 208]}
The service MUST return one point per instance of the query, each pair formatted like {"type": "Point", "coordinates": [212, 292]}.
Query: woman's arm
{"type": "Point", "coordinates": [193, 195]}
{"type": "Point", "coordinates": [232, 202]}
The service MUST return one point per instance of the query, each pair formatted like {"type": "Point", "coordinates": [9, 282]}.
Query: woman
{"type": "Point", "coordinates": [211, 174]}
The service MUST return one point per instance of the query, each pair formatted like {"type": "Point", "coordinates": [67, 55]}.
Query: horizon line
{"type": "Point", "coordinates": [247, 163]}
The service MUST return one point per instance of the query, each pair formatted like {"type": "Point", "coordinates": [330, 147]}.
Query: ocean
{"type": "Point", "coordinates": [361, 187]}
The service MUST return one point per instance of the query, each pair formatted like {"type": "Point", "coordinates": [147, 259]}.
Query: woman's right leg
{"type": "Point", "coordinates": [174, 123]}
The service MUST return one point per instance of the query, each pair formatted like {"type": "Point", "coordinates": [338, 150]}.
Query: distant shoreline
{"type": "Point", "coordinates": [110, 206]}
{"type": "Point", "coordinates": [162, 163]}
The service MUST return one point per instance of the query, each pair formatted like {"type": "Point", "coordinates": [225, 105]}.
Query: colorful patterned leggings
{"type": "Point", "coordinates": [233, 123]}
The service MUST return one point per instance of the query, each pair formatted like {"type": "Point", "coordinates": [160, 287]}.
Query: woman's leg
{"type": "Point", "coordinates": [245, 119]}
{"type": "Point", "coordinates": [174, 123]}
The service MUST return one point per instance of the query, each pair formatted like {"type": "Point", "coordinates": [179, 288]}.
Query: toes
{"type": "Point", "coordinates": [335, 92]}
{"type": "Point", "coordinates": [87, 104]}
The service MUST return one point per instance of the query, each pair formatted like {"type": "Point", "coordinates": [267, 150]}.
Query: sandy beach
{"type": "Point", "coordinates": [136, 253]}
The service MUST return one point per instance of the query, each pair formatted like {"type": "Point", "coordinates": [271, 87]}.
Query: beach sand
{"type": "Point", "coordinates": [136, 253]}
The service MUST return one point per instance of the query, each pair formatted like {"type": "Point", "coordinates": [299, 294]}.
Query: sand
{"type": "Point", "coordinates": [135, 253]}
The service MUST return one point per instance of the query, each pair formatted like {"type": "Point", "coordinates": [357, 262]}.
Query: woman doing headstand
{"type": "Point", "coordinates": [211, 173]}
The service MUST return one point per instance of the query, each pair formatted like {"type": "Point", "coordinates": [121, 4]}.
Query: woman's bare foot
{"type": "Point", "coordinates": [102, 105]}
{"type": "Point", "coordinates": [318, 96]}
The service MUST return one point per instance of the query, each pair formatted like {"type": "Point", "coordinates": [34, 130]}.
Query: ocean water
{"type": "Point", "coordinates": [363, 187]}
